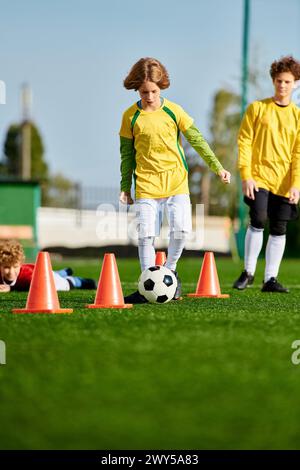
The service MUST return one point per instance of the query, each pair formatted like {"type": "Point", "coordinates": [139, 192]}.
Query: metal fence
{"type": "Point", "coordinates": [92, 196]}
{"type": "Point", "coordinates": [82, 197]}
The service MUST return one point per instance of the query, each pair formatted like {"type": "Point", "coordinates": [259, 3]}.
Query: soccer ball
{"type": "Point", "coordinates": [157, 284]}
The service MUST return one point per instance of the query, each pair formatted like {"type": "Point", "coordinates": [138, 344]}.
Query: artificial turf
{"type": "Point", "coordinates": [194, 374]}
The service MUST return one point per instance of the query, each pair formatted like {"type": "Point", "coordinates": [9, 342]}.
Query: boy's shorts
{"type": "Point", "coordinates": [269, 205]}
{"type": "Point", "coordinates": [150, 215]}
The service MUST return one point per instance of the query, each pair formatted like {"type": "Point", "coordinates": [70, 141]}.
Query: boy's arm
{"type": "Point", "coordinates": [245, 139]}
{"type": "Point", "coordinates": [295, 167]}
{"type": "Point", "coordinates": [127, 163]}
{"type": "Point", "coordinates": [197, 141]}
{"type": "Point", "coordinates": [4, 288]}
{"type": "Point", "coordinates": [296, 162]}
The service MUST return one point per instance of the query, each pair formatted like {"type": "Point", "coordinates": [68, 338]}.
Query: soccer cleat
{"type": "Point", "coordinates": [245, 280]}
{"type": "Point", "coordinates": [77, 282]}
{"type": "Point", "coordinates": [177, 295]}
{"type": "Point", "coordinates": [135, 298]}
{"type": "Point", "coordinates": [272, 285]}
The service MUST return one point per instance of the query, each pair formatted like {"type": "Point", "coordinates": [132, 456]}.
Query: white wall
{"type": "Point", "coordinates": [73, 229]}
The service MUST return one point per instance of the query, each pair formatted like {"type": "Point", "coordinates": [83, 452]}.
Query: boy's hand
{"type": "Point", "coordinates": [248, 187]}
{"type": "Point", "coordinates": [126, 198]}
{"type": "Point", "coordinates": [225, 176]}
{"type": "Point", "coordinates": [4, 288]}
{"type": "Point", "coordinates": [294, 196]}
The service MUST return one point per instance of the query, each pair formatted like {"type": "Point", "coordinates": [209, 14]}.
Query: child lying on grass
{"type": "Point", "coordinates": [15, 275]}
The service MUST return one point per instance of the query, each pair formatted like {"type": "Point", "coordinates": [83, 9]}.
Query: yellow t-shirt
{"type": "Point", "coordinates": [161, 169]}
{"type": "Point", "coordinates": [269, 146]}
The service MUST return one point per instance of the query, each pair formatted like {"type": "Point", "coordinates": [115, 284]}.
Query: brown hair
{"type": "Point", "coordinates": [285, 64]}
{"type": "Point", "coordinates": [11, 252]}
{"type": "Point", "coordinates": [147, 69]}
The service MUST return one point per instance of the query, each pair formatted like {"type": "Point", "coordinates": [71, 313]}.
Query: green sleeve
{"type": "Point", "coordinates": [197, 141]}
{"type": "Point", "coordinates": [127, 163]}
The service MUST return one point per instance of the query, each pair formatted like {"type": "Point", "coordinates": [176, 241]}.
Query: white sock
{"type": "Point", "coordinates": [146, 252]}
{"type": "Point", "coordinates": [176, 245]}
{"type": "Point", "coordinates": [274, 253]}
{"type": "Point", "coordinates": [253, 245]}
{"type": "Point", "coordinates": [60, 282]}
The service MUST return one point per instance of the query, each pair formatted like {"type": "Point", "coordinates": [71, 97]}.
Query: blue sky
{"type": "Point", "coordinates": [76, 53]}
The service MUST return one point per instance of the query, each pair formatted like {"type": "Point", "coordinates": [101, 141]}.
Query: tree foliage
{"type": "Point", "coordinates": [205, 187]}
{"type": "Point", "coordinates": [12, 153]}
{"type": "Point", "coordinates": [57, 190]}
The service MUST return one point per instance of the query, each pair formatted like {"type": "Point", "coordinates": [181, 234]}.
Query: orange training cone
{"type": "Point", "coordinates": [42, 296]}
{"type": "Point", "coordinates": [109, 292]}
{"type": "Point", "coordinates": [208, 283]}
{"type": "Point", "coordinates": [160, 258]}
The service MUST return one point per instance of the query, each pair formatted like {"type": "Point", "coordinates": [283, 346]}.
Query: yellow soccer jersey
{"type": "Point", "coordinates": [269, 146]}
{"type": "Point", "coordinates": [161, 168]}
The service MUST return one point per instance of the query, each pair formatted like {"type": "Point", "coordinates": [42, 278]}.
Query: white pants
{"type": "Point", "coordinates": [150, 214]}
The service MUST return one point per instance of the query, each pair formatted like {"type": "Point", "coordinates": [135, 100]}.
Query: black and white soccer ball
{"type": "Point", "coordinates": [158, 284]}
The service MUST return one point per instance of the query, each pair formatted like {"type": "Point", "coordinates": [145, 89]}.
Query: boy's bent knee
{"type": "Point", "coordinates": [258, 221]}
{"type": "Point", "coordinates": [278, 227]}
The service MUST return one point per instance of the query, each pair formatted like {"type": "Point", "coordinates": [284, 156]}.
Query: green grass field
{"type": "Point", "coordinates": [195, 374]}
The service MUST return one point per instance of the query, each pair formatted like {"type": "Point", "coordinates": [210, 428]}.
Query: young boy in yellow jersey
{"type": "Point", "coordinates": [151, 151]}
{"type": "Point", "coordinates": [269, 164]}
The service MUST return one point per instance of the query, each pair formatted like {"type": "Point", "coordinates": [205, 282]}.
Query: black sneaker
{"type": "Point", "coordinates": [272, 285]}
{"type": "Point", "coordinates": [245, 280]}
{"type": "Point", "coordinates": [177, 295]}
{"type": "Point", "coordinates": [135, 298]}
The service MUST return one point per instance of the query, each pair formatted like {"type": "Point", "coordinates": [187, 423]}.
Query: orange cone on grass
{"type": "Point", "coordinates": [208, 283]}
{"type": "Point", "coordinates": [42, 296]}
{"type": "Point", "coordinates": [109, 292]}
{"type": "Point", "coordinates": [160, 258]}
